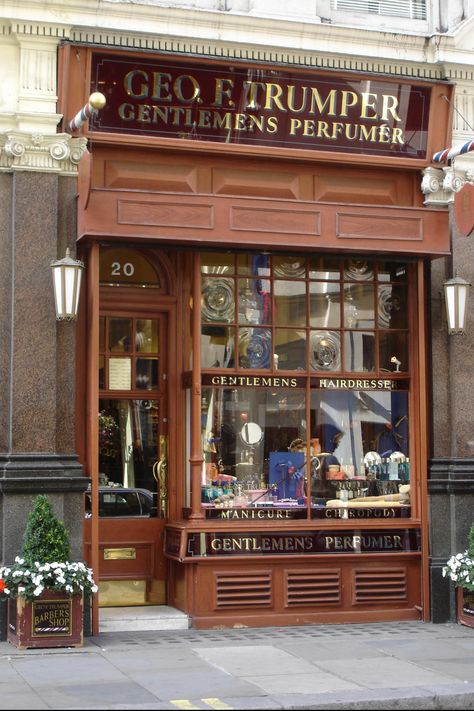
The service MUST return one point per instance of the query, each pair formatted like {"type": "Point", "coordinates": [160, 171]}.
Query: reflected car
{"type": "Point", "coordinates": [122, 502]}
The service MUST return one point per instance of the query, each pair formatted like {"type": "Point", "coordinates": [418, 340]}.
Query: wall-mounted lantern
{"type": "Point", "coordinates": [67, 273]}
{"type": "Point", "coordinates": [456, 291]}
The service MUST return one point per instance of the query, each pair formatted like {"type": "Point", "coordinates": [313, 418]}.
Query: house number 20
{"type": "Point", "coordinates": [126, 269]}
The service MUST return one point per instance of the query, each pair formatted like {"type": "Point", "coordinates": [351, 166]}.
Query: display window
{"type": "Point", "coordinates": [306, 378]}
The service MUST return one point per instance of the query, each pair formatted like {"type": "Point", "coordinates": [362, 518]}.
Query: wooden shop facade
{"type": "Point", "coordinates": [253, 334]}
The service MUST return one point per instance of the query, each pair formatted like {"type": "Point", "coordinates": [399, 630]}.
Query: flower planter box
{"type": "Point", "coordinates": [53, 619]}
{"type": "Point", "coordinates": [465, 607]}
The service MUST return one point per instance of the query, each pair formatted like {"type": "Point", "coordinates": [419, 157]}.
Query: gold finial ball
{"type": "Point", "coordinates": [97, 100]}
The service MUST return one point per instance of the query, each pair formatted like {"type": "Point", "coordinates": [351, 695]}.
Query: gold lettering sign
{"type": "Point", "coordinates": [254, 381]}
{"type": "Point", "coordinates": [354, 384]}
{"type": "Point", "coordinates": [120, 553]}
{"type": "Point", "coordinates": [301, 543]}
{"type": "Point", "coordinates": [173, 98]}
{"type": "Point", "coordinates": [51, 618]}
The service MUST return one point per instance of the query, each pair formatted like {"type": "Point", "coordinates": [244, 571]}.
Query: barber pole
{"type": "Point", "coordinates": [96, 102]}
{"type": "Point", "coordinates": [449, 153]}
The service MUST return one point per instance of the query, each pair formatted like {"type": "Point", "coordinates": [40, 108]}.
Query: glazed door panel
{"type": "Point", "coordinates": [133, 453]}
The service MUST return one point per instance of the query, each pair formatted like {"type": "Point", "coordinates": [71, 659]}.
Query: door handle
{"type": "Point", "coordinates": [160, 469]}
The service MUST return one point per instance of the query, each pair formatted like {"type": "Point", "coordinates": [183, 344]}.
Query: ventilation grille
{"type": "Point", "coordinates": [313, 587]}
{"type": "Point", "coordinates": [387, 585]}
{"type": "Point", "coordinates": [243, 589]}
{"type": "Point", "coordinates": [416, 9]}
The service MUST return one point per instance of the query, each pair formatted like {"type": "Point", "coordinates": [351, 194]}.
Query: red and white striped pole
{"type": "Point", "coordinates": [449, 153]}
{"type": "Point", "coordinates": [96, 101]}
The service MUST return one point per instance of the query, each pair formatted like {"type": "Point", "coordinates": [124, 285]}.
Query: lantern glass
{"type": "Point", "coordinates": [456, 292]}
{"type": "Point", "coordinates": [67, 274]}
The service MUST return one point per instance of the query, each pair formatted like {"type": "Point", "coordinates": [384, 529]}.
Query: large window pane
{"type": "Point", "coordinates": [365, 449]}
{"type": "Point", "coordinates": [252, 447]}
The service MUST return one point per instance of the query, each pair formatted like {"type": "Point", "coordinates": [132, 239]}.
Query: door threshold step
{"type": "Point", "coordinates": [149, 617]}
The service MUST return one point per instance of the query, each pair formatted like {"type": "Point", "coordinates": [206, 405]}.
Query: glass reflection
{"type": "Point", "coordinates": [324, 305]}
{"type": "Point", "coordinates": [363, 435]}
{"type": "Point", "coordinates": [120, 335]}
{"type": "Point", "coordinates": [217, 347]}
{"type": "Point", "coordinates": [217, 300]}
{"type": "Point", "coordinates": [393, 349]}
{"type": "Point", "coordinates": [290, 303]}
{"type": "Point", "coordinates": [128, 436]}
{"type": "Point", "coordinates": [146, 377]}
{"type": "Point", "coordinates": [359, 306]}
{"type": "Point", "coordinates": [217, 263]}
{"type": "Point", "coordinates": [392, 307]}
{"type": "Point", "coordinates": [359, 351]}
{"type": "Point", "coordinates": [255, 348]}
{"type": "Point", "coordinates": [324, 268]}
{"type": "Point", "coordinates": [146, 335]}
{"type": "Point", "coordinates": [290, 349]}
{"type": "Point", "coordinates": [254, 301]}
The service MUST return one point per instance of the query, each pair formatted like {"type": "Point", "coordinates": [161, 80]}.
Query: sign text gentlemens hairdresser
{"type": "Point", "coordinates": [242, 104]}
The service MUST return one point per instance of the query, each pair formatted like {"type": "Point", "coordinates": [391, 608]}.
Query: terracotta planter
{"type": "Point", "coordinates": [465, 607]}
{"type": "Point", "coordinates": [54, 619]}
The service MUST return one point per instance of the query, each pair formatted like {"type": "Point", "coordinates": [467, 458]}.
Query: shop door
{"type": "Point", "coordinates": [133, 458]}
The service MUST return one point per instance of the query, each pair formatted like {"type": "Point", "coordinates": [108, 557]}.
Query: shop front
{"type": "Point", "coordinates": [254, 337]}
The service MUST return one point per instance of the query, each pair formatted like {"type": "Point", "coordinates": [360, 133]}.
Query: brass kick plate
{"type": "Point", "coordinates": [120, 553]}
{"type": "Point", "coordinates": [122, 593]}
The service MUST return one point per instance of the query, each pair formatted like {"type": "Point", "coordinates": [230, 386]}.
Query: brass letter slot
{"type": "Point", "coordinates": [120, 553]}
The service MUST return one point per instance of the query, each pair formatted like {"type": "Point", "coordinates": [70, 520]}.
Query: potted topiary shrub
{"type": "Point", "coordinates": [460, 569]}
{"type": "Point", "coordinates": [44, 588]}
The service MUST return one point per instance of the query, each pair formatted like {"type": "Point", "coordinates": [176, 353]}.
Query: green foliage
{"type": "Point", "coordinates": [46, 539]}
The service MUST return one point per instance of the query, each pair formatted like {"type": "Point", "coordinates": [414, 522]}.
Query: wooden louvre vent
{"type": "Point", "coordinates": [381, 585]}
{"type": "Point", "coordinates": [243, 589]}
{"type": "Point", "coordinates": [313, 587]}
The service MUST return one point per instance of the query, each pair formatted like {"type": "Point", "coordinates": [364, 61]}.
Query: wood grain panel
{"type": "Point", "coordinates": [256, 183]}
{"type": "Point", "coordinates": [165, 214]}
{"type": "Point", "coordinates": [360, 187]}
{"type": "Point", "coordinates": [257, 222]}
{"type": "Point", "coordinates": [287, 221]}
{"type": "Point", "coordinates": [309, 590]}
{"type": "Point", "coordinates": [353, 225]}
{"type": "Point", "coordinates": [162, 176]}
{"type": "Point", "coordinates": [139, 567]}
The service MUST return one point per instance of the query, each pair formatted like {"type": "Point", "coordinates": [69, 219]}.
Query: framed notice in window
{"type": "Point", "coordinates": [120, 374]}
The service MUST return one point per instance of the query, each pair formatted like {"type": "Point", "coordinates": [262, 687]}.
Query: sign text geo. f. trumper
{"type": "Point", "coordinates": [243, 104]}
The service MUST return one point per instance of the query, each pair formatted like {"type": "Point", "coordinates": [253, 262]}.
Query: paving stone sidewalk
{"type": "Point", "coordinates": [407, 665]}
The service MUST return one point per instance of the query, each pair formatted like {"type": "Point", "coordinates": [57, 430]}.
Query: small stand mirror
{"type": "Point", "coordinates": [251, 434]}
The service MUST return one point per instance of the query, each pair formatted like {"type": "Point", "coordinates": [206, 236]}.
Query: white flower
{"type": "Point", "coordinates": [37, 591]}
{"type": "Point", "coordinates": [19, 560]}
